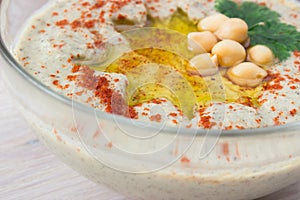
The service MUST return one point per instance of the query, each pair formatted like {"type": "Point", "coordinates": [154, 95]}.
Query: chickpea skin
{"type": "Point", "coordinates": [234, 29]}
{"type": "Point", "coordinates": [211, 23]}
{"type": "Point", "coordinates": [201, 42]}
{"type": "Point", "coordinates": [205, 64]}
{"type": "Point", "coordinates": [260, 55]}
{"type": "Point", "coordinates": [229, 53]}
{"type": "Point", "coordinates": [246, 74]}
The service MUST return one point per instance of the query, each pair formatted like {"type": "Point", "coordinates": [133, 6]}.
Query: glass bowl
{"type": "Point", "coordinates": [143, 160]}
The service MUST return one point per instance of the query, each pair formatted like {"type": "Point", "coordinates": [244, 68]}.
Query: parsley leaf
{"type": "Point", "coordinates": [254, 14]}
{"type": "Point", "coordinates": [264, 25]}
{"type": "Point", "coordinates": [228, 8]}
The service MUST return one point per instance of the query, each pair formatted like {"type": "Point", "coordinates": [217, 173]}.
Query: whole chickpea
{"type": "Point", "coordinates": [199, 41]}
{"type": "Point", "coordinates": [211, 23]}
{"type": "Point", "coordinates": [229, 53]}
{"type": "Point", "coordinates": [205, 64]}
{"type": "Point", "coordinates": [260, 55]}
{"type": "Point", "coordinates": [234, 29]}
{"type": "Point", "coordinates": [246, 74]}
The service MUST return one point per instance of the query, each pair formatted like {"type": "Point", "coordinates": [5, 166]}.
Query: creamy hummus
{"type": "Point", "coordinates": [66, 33]}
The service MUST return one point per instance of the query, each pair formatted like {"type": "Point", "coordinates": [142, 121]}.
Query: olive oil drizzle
{"type": "Point", "coordinates": [155, 72]}
{"type": "Point", "coordinates": [179, 21]}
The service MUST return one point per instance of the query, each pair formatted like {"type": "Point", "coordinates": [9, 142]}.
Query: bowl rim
{"type": "Point", "coordinates": [11, 61]}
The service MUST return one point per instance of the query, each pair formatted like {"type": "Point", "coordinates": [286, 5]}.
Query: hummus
{"type": "Point", "coordinates": [62, 42]}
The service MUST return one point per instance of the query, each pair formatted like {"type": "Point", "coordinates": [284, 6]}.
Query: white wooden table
{"type": "Point", "coordinates": [29, 171]}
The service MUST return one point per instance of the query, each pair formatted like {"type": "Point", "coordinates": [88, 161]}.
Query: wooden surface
{"type": "Point", "coordinates": [29, 171]}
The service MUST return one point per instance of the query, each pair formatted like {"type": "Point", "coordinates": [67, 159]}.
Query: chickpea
{"type": "Point", "coordinates": [246, 74]}
{"type": "Point", "coordinates": [247, 43]}
{"type": "Point", "coordinates": [234, 29]}
{"type": "Point", "coordinates": [205, 64]}
{"type": "Point", "coordinates": [260, 55]}
{"type": "Point", "coordinates": [211, 23]}
{"type": "Point", "coordinates": [200, 42]}
{"type": "Point", "coordinates": [229, 53]}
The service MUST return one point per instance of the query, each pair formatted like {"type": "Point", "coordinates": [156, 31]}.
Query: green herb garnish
{"type": "Point", "coordinates": [264, 25]}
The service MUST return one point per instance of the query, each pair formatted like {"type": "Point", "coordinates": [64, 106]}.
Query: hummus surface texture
{"type": "Point", "coordinates": [67, 32]}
